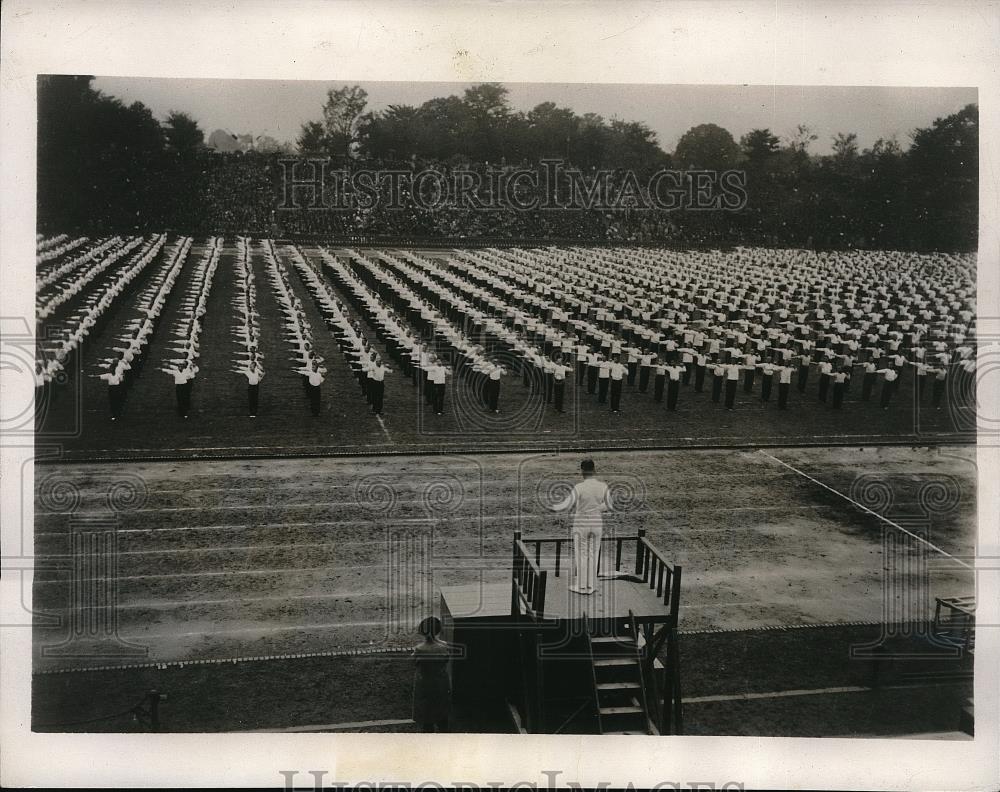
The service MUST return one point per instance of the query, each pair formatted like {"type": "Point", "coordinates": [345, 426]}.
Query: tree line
{"type": "Point", "coordinates": [105, 164]}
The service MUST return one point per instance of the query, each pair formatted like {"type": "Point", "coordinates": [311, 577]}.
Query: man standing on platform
{"type": "Point", "coordinates": [591, 498]}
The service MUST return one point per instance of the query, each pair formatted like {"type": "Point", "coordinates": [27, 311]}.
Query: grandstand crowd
{"type": "Point", "coordinates": [629, 328]}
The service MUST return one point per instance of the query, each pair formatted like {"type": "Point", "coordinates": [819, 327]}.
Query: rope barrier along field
{"type": "Point", "coordinates": [886, 520]}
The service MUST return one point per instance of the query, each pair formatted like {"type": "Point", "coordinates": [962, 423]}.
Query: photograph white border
{"type": "Point", "coordinates": [763, 43]}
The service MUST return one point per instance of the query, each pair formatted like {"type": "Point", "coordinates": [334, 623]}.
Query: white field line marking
{"type": "Point", "coordinates": [813, 692]}
{"type": "Point", "coordinates": [375, 543]}
{"type": "Point", "coordinates": [461, 519]}
{"type": "Point", "coordinates": [874, 514]}
{"type": "Point", "coordinates": [385, 431]}
{"type": "Point", "coordinates": [159, 604]}
{"type": "Point", "coordinates": [656, 443]}
{"type": "Point", "coordinates": [218, 573]}
{"type": "Point", "coordinates": [525, 515]}
{"type": "Point", "coordinates": [274, 628]}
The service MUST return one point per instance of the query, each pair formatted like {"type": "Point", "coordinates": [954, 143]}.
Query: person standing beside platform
{"type": "Point", "coordinates": [431, 682]}
{"type": "Point", "coordinates": [590, 499]}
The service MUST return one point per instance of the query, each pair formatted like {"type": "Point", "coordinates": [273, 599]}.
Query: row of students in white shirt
{"type": "Point", "coordinates": [611, 279]}
{"type": "Point", "coordinates": [45, 276]}
{"type": "Point", "coordinates": [356, 347]}
{"type": "Point", "coordinates": [296, 329]}
{"type": "Point", "coordinates": [607, 374]}
{"type": "Point", "coordinates": [127, 358]}
{"type": "Point", "coordinates": [77, 281]}
{"type": "Point", "coordinates": [71, 336]}
{"type": "Point", "coordinates": [56, 249]}
{"type": "Point", "coordinates": [246, 328]}
{"type": "Point", "coordinates": [763, 346]}
{"type": "Point", "coordinates": [183, 367]}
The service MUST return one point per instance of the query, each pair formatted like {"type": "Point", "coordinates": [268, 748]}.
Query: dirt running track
{"type": "Point", "coordinates": [224, 559]}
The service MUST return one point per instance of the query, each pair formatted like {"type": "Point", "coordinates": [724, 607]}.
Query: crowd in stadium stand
{"type": "Point", "coordinates": [244, 194]}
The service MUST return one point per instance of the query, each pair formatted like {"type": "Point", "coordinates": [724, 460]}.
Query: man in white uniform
{"type": "Point", "coordinates": [591, 499]}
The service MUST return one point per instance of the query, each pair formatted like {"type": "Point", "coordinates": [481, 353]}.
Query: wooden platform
{"type": "Point", "coordinates": [613, 599]}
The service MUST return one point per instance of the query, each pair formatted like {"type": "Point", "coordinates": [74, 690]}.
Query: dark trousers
{"type": "Point", "coordinates": [803, 378]}
{"type": "Point", "coordinates": [602, 390]}
{"type": "Point", "coordinates": [748, 381]}
{"type": "Point", "coordinates": [493, 394]}
{"type": "Point", "coordinates": [673, 389]}
{"type": "Point", "coordinates": [183, 398]}
{"type": "Point", "coordinates": [887, 390]}
{"type": "Point", "coordinates": [549, 386]}
{"type": "Point", "coordinates": [658, 382]}
{"type": "Point", "coordinates": [867, 384]}
{"type": "Point", "coordinates": [765, 387]}
{"type": "Point", "coordinates": [937, 393]}
{"type": "Point", "coordinates": [438, 397]}
{"type": "Point", "coordinates": [783, 388]}
{"type": "Point", "coordinates": [717, 388]}
{"type": "Point", "coordinates": [591, 379]}
{"type": "Point", "coordinates": [824, 386]}
{"type": "Point", "coordinates": [838, 395]}
{"type": "Point", "coordinates": [116, 398]}
{"type": "Point", "coordinates": [616, 395]}
{"type": "Point", "coordinates": [314, 398]}
{"type": "Point", "coordinates": [559, 392]}
{"type": "Point", "coordinates": [730, 393]}
{"type": "Point", "coordinates": [686, 376]}
{"type": "Point", "coordinates": [253, 397]}
{"type": "Point", "coordinates": [633, 368]}
{"type": "Point", "coordinates": [376, 391]}
{"type": "Point", "coordinates": [643, 379]}
{"type": "Point", "coordinates": [699, 378]}
{"type": "Point", "coordinates": [921, 386]}
{"type": "Point", "coordinates": [581, 372]}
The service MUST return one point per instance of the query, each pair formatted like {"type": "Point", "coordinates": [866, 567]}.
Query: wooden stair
{"type": "Point", "coordinates": [619, 688]}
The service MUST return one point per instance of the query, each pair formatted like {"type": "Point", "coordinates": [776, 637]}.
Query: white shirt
{"type": "Point", "coordinates": [591, 499]}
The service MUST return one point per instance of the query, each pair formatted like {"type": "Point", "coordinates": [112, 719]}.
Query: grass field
{"type": "Point", "coordinates": [77, 419]}
{"type": "Point", "coordinates": [221, 561]}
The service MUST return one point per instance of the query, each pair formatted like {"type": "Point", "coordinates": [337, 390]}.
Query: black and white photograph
{"type": "Point", "coordinates": [620, 411]}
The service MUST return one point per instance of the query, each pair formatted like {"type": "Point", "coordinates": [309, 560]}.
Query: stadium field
{"type": "Point", "coordinates": [222, 561]}
{"type": "Point", "coordinates": [305, 539]}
